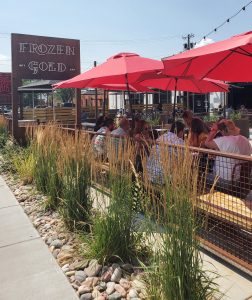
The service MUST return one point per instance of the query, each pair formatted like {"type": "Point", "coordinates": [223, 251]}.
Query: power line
{"type": "Point", "coordinates": [126, 41]}
{"type": "Point", "coordinates": [227, 20]}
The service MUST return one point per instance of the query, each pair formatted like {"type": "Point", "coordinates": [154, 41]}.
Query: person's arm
{"type": "Point", "coordinates": [209, 143]}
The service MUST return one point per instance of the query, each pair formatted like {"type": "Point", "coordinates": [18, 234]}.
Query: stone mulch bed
{"type": "Point", "coordinates": [89, 279]}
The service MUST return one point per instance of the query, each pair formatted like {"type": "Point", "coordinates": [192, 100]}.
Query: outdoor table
{"type": "Point", "coordinates": [24, 123]}
{"type": "Point", "coordinates": [160, 131]}
{"type": "Point", "coordinates": [87, 125]}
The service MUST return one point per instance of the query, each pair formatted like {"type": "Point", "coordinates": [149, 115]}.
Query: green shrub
{"type": "Point", "coordinates": [235, 116]}
{"type": "Point", "coordinates": [3, 132]}
{"type": "Point", "coordinates": [24, 164]}
{"type": "Point", "coordinates": [8, 152]}
{"type": "Point", "coordinates": [211, 118]}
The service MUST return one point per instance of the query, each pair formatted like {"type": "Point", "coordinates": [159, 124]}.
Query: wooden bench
{"type": "Point", "coordinates": [231, 206]}
{"type": "Point", "coordinates": [228, 208]}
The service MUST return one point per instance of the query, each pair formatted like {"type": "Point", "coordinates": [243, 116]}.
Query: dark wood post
{"type": "Point", "coordinates": [15, 82]}
{"type": "Point", "coordinates": [78, 108]}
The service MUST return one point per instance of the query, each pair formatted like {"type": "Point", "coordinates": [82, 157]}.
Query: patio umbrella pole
{"type": "Point", "coordinates": [104, 103]}
{"type": "Point", "coordinates": [130, 103]}
{"type": "Point", "coordinates": [128, 91]}
{"type": "Point", "coordinates": [175, 97]}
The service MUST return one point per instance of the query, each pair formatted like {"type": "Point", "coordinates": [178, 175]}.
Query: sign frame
{"type": "Point", "coordinates": [42, 57]}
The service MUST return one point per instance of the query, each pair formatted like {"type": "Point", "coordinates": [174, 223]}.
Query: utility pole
{"type": "Point", "coordinates": [188, 37]}
{"type": "Point", "coordinates": [188, 46]}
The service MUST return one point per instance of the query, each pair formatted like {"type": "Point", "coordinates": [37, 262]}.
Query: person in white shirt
{"type": "Point", "coordinates": [123, 128]}
{"type": "Point", "coordinates": [118, 135]}
{"type": "Point", "coordinates": [230, 142]}
{"type": "Point", "coordinates": [99, 140]}
{"type": "Point", "coordinates": [154, 165]}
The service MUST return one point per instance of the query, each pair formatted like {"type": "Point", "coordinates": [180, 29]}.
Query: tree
{"type": "Point", "coordinates": [66, 95]}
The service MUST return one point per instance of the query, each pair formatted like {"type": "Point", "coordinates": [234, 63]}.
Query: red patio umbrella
{"type": "Point", "coordinates": [122, 68]}
{"type": "Point", "coordinates": [133, 87]}
{"type": "Point", "coordinates": [189, 84]}
{"type": "Point", "coordinates": [229, 60]}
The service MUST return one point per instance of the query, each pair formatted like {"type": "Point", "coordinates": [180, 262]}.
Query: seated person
{"type": "Point", "coordinates": [175, 135]}
{"type": "Point", "coordinates": [231, 142]}
{"type": "Point", "coordinates": [84, 116]}
{"type": "Point", "coordinates": [198, 133]}
{"type": "Point", "coordinates": [143, 140]}
{"type": "Point", "coordinates": [99, 140]}
{"type": "Point", "coordinates": [243, 111]}
{"type": "Point", "coordinates": [99, 123]}
{"type": "Point", "coordinates": [118, 134]}
{"type": "Point", "coordinates": [187, 118]}
{"type": "Point", "coordinates": [123, 128]}
{"type": "Point", "coordinates": [141, 134]}
{"type": "Point", "coordinates": [154, 164]}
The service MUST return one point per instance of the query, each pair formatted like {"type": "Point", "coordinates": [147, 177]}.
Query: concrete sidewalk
{"type": "Point", "coordinates": [28, 271]}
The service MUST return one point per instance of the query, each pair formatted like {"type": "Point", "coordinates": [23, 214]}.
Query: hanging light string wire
{"type": "Point", "coordinates": [227, 20]}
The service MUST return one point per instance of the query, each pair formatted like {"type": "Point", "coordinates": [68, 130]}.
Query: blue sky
{"type": "Point", "coordinates": [105, 27]}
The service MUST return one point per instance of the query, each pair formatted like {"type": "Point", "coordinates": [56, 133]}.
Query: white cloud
{"type": "Point", "coordinates": [204, 42]}
{"type": "Point", "coordinates": [5, 63]}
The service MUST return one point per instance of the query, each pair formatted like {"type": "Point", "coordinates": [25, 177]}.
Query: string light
{"type": "Point", "coordinates": [227, 20]}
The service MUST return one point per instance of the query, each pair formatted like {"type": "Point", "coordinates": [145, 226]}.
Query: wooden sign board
{"type": "Point", "coordinates": [40, 57]}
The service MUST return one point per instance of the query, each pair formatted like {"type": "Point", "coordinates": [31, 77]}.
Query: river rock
{"type": "Point", "coordinates": [70, 273]}
{"type": "Point", "coordinates": [90, 281]}
{"type": "Point", "coordinates": [65, 268]}
{"type": "Point", "coordinates": [114, 296]}
{"type": "Point", "coordinates": [84, 289]}
{"type": "Point", "coordinates": [93, 268]}
{"type": "Point", "coordinates": [79, 265]}
{"type": "Point", "coordinates": [125, 283]}
{"type": "Point", "coordinates": [66, 247]}
{"type": "Point", "coordinates": [87, 296]}
{"type": "Point", "coordinates": [49, 241]}
{"type": "Point", "coordinates": [120, 290]}
{"type": "Point", "coordinates": [110, 288]}
{"type": "Point", "coordinates": [56, 243]}
{"type": "Point", "coordinates": [117, 275]}
{"type": "Point", "coordinates": [115, 266]}
{"type": "Point", "coordinates": [56, 252]}
{"type": "Point", "coordinates": [64, 258]}
{"type": "Point", "coordinates": [106, 276]}
{"type": "Point", "coordinates": [47, 226]}
{"type": "Point", "coordinates": [80, 276]}
{"type": "Point", "coordinates": [101, 297]}
{"type": "Point", "coordinates": [95, 293]}
{"type": "Point", "coordinates": [101, 287]}
{"type": "Point", "coordinates": [132, 293]}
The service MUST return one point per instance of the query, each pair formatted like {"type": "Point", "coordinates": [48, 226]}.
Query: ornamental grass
{"type": "Point", "coordinates": [176, 271]}
{"type": "Point", "coordinates": [114, 236]}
